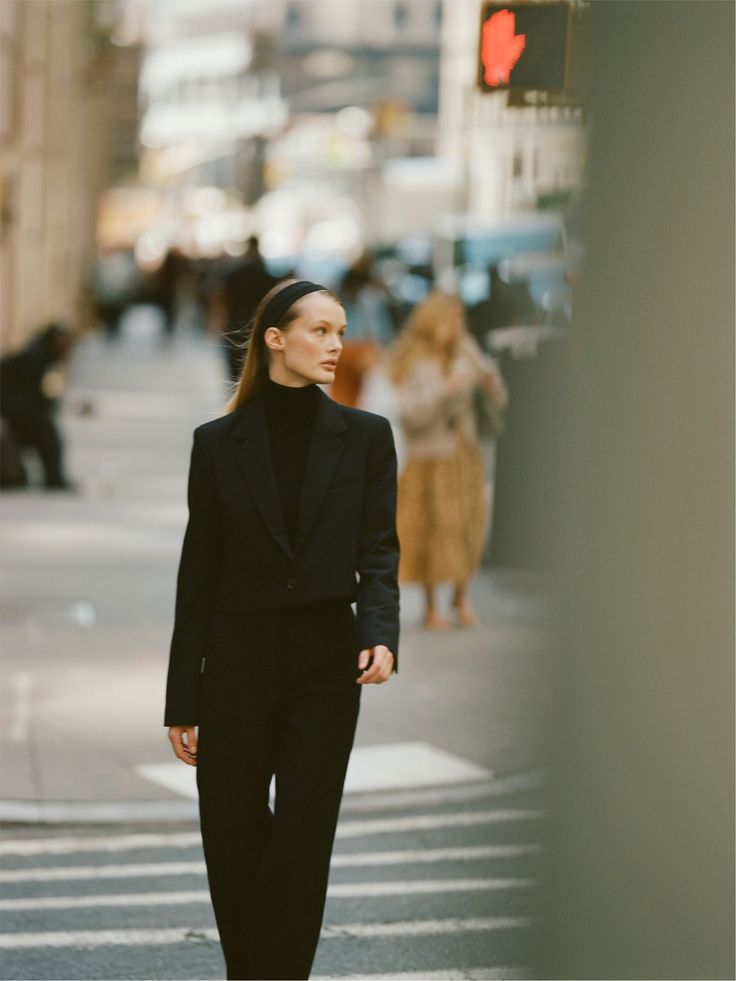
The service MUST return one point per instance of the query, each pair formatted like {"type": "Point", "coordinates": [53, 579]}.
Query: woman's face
{"type": "Point", "coordinates": [309, 348]}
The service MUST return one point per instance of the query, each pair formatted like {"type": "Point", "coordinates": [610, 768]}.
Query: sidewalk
{"type": "Point", "coordinates": [88, 592]}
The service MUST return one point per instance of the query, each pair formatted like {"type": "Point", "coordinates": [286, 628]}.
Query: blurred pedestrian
{"type": "Point", "coordinates": [243, 287]}
{"type": "Point", "coordinates": [443, 503]}
{"type": "Point", "coordinates": [114, 284]}
{"type": "Point", "coordinates": [27, 408]}
{"type": "Point", "coordinates": [507, 305]}
{"type": "Point", "coordinates": [291, 519]}
{"type": "Point", "coordinates": [171, 283]}
{"type": "Point", "coordinates": [369, 330]}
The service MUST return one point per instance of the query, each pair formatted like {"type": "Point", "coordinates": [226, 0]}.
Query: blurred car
{"type": "Point", "coordinates": [405, 268]}
{"type": "Point", "coordinates": [529, 249]}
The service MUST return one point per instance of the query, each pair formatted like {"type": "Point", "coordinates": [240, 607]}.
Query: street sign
{"type": "Point", "coordinates": [523, 46]}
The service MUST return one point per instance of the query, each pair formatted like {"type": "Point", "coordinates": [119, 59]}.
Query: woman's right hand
{"type": "Point", "coordinates": [460, 381]}
{"type": "Point", "coordinates": [184, 743]}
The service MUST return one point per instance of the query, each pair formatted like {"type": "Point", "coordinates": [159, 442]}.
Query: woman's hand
{"type": "Point", "coordinates": [184, 742]}
{"type": "Point", "coordinates": [460, 381]}
{"type": "Point", "coordinates": [494, 386]}
{"type": "Point", "coordinates": [381, 668]}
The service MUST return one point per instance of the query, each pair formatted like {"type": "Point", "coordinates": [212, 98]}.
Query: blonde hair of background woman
{"type": "Point", "coordinates": [420, 336]}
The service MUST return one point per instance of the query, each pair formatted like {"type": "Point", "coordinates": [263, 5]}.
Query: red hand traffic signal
{"type": "Point", "coordinates": [523, 46]}
{"type": "Point", "coordinates": [501, 47]}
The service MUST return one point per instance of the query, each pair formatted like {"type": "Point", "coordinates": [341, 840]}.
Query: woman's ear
{"type": "Point", "coordinates": [274, 339]}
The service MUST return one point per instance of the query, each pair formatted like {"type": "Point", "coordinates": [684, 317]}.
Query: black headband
{"type": "Point", "coordinates": [281, 301]}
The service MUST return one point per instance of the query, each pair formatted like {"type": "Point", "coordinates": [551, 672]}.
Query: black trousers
{"type": "Point", "coordinates": [279, 697]}
{"type": "Point", "coordinates": [35, 427]}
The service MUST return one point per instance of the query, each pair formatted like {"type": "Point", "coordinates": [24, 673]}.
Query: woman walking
{"type": "Point", "coordinates": [443, 499]}
{"type": "Point", "coordinates": [291, 519]}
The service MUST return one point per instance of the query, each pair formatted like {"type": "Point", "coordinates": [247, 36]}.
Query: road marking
{"type": "Point", "coordinates": [387, 767]}
{"type": "Point", "coordinates": [339, 861]}
{"type": "Point", "coordinates": [458, 974]}
{"type": "Point", "coordinates": [426, 822]}
{"type": "Point", "coordinates": [124, 899]}
{"type": "Point", "coordinates": [22, 684]}
{"type": "Point", "coordinates": [76, 872]}
{"type": "Point", "coordinates": [97, 812]}
{"type": "Point", "coordinates": [410, 857]}
{"type": "Point", "coordinates": [99, 843]}
{"type": "Point", "coordinates": [416, 928]}
{"type": "Point", "coordinates": [414, 887]}
{"type": "Point", "coordinates": [346, 829]}
{"type": "Point", "coordinates": [399, 766]}
{"type": "Point", "coordinates": [174, 935]}
{"type": "Point", "coordinates": [340, 890]}
{"type": "Point", "coordinates": [442, 796]}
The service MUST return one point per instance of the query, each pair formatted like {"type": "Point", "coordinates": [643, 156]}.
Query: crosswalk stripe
{"type": "Point", "coordinates": [347, 829]}
{"type": "Point", "coordinates": [174, 935]}
{"type": "Point", "coordinates": [426, 822]}
{"type": "Point", "coordinates": [460, 974]}
{"type": "Point", "coordinates": [124, 899]}
{"type": "Point", "coordinates": [340, 890]}
{"type": "Point", "coordinates": [339, 861]}
{"type": "Point", "coordinates": [415, 928]}
{"type": "Point", "coordinates": [99, 843]}
{"type": "Point", "coordinates": [68, 873]}
{"type": "Point", "coordinates": [186, 839]}
{"type": "Point", "coordinates": [452, 854]}
{"type": "Point", "coordinates": [418, 887]}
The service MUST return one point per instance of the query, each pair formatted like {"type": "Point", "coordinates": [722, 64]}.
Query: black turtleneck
{"type": "Point", "coordinates": [290, 414]}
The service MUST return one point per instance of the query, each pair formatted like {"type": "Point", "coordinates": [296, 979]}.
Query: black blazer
{"type": "Point", "coordinates": [237, 555]}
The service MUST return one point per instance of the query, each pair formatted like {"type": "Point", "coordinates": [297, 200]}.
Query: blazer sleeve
{"type": "Point", "coordinates": [378, 555]}
{"type": "Point", "coordinates": [197, 581]}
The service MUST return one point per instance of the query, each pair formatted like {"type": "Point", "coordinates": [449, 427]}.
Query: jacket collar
{"type": "Point", "coordinates": [254, 459]}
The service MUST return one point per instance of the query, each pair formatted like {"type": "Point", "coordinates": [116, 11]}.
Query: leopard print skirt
{"type": "Point", "coordinates": [443, 516]}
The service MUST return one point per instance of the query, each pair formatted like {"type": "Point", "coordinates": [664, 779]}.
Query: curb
{"type": "Point", "coordinates": [185, 811]}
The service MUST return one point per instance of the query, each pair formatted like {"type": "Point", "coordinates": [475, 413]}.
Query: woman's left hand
{"type": "Point", "coordinates": [493, 384]}
{"type": "Point", "coordinates": [381, 667]}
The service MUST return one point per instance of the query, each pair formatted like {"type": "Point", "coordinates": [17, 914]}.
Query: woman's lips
{"type": "Point", "coordinates": [329, 364]}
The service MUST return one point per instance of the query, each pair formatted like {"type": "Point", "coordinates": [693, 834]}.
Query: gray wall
{"type": "Point", "coordinates": [641, 852]}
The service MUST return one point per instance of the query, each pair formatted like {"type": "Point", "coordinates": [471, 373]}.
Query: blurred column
{"type": "Point", "coordinates": [640, 879]}
{"type": "Point", "coordinates": [54, 60]}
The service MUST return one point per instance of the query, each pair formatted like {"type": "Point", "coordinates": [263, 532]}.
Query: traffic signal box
{"type": "Point", "coordinates": [524, 46]}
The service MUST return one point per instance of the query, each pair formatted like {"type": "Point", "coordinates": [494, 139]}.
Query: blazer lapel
{"type": "Point", "coordinates": [325, 451]}
{"type": "Point", "coordinates": [254, 459]}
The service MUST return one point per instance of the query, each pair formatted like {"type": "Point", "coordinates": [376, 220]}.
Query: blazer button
{"type": "Point", "coordinates": [291, 583]}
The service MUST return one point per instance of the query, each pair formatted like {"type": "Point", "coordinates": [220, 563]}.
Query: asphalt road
{"type": "Point", "coordinates": [434, 885]}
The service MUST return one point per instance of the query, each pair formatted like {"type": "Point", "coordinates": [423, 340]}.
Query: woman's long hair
{"type": "Point", "coordinates": [255, 364]}
{"type": "Point", "coordinates": [420, 336]}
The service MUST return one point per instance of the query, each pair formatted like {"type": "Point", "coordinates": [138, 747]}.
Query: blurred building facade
{"type": "Point", "coordinates": [293, 108]}
{"type": "Point", "coordinates": [206, 105]}
{"type": "Point", "coordinates": [367, 76]}
{"type": "Point", "coordinates": [68, 121]}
